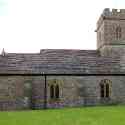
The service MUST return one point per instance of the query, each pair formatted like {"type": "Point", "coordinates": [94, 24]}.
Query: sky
{"type": "Point", "coordinates": [26, 26]}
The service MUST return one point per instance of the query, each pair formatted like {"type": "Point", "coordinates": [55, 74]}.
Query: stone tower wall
{"type": "Point", "coordinates": [107, 24]}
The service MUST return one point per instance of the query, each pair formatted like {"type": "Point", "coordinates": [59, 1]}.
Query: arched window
{"type": "Point", "coordinates": [118, 33]}
{"type": "Point", "coordinates": [52, 91]}
{"type": "Point", "coordinates": [102, 90]}
{"type": "Point", "coordinates": [57, 91]}
{"type": "Point", "coordinates": [105, 88]}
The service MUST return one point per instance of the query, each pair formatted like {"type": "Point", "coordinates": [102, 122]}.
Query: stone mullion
{"type": "Point", "coordinates": [59, 91]}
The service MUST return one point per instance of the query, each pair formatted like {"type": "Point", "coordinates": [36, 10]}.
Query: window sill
{"type": "Point", "coordinates": [54, 100]}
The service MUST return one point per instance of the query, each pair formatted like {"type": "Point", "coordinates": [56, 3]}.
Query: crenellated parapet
{"type": "Point", "coordinates": [112, 14]}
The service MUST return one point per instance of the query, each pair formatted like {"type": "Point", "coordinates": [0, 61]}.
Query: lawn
{"type": "Point", "coordinates": [107, 115]}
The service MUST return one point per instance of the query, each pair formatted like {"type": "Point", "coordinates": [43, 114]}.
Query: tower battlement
{"type": "Point", "coordinates": [112, 14]}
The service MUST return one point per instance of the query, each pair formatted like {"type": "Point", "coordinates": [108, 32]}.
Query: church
{"type": "Point", "coordinates": [56, 78]}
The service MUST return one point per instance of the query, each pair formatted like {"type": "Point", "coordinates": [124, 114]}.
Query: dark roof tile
{"type": "Point", "coordinates": [60, 61]}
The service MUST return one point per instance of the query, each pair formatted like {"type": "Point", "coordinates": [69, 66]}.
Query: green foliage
{"type": "Point", "coordinates": [105, 115]}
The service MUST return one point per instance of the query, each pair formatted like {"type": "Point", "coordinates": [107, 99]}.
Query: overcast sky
{"type": "Point", "coordinates": [31, 25]}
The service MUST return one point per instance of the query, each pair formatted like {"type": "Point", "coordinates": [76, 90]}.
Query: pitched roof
{"type": "Point", "coordinates": [60, 61]}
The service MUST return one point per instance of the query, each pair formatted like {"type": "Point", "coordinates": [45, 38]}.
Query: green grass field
{"type": "Point", "coordinates": [107, 115]}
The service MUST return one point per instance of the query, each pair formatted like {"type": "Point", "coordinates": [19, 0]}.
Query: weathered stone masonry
{"type": "Point", "coordinates": [19, 92]}
{"type": "Point", "coordinates": [68, 78]}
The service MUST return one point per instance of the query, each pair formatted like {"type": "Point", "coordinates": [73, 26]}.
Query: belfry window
{"type": "Point", "coordinates": [118, 33]}
{"type": "Point", "coordinates": [105, 88]}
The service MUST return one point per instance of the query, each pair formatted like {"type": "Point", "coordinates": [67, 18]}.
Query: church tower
{"type": "Point", "coordinates": [111, 32]}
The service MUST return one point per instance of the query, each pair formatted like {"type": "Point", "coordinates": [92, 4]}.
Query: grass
{"type": "Point", "coordinates": [107, 115]}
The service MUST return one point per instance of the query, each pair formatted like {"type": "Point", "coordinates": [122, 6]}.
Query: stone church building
{"type": "Point", "coordinates": [57, 78]}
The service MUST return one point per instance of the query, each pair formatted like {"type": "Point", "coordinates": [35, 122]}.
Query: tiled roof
{"type": "Point", "coordinates": [60, 61]}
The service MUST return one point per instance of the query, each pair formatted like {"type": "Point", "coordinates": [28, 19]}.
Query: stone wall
{"type": "Point", "coordinates": [38, 92]}
{"type": "Point", "coordinates": [15, 92]}
{"type": "Point", "coordinates": [84, 91]}
{"type": "Point", "coordinates": [27, 92]}
{"type": "Point", "coordinates": [115, 51]}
